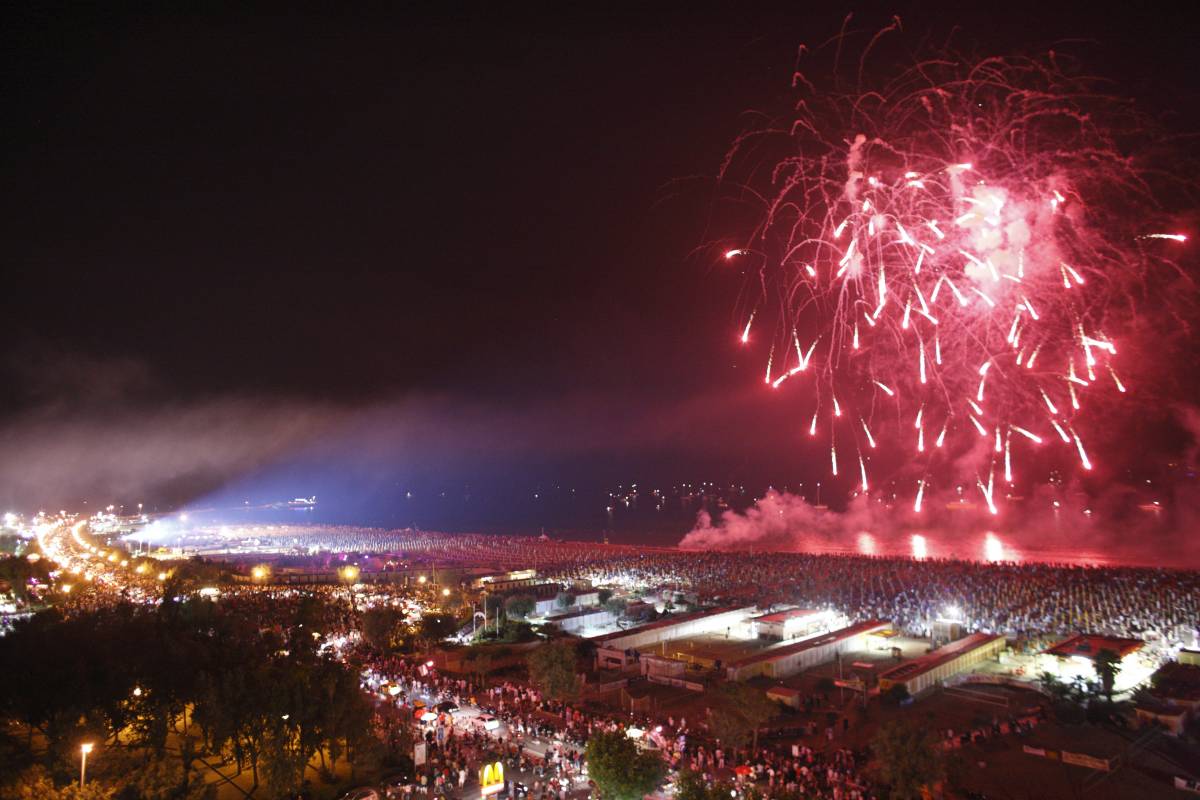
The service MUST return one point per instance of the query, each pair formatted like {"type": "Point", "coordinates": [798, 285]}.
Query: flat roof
{"type": "Point", "coordinates": [666, 622]}
{"type": "Point", "coordinates": [791, 613]}
{"type": "Point", "coordinates": [919, 666]}
{"type": "Point", "coordinates": [808, 644]}
{"type": "Point", "coordinates": [1089, 645]}
{"type": "Point", "coordinates": [577, 612]}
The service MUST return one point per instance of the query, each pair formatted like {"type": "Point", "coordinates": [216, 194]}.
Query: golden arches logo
{"type": "Point", "coordinates": [491, 778]}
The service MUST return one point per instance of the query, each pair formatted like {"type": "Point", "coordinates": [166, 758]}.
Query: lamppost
{"type": "Point", "coordinates": [349, 574]}
{"type": "Point", "coordinates": [84, 749]}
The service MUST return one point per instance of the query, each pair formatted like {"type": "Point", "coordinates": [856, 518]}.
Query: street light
{"type": "Point", "coordinates": [84, 749]}
{"type": "Point", "coordinates": [349, 574]}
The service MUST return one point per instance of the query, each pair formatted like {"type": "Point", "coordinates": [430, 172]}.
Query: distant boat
{"type": "Point", "coordinates": [303, 503]}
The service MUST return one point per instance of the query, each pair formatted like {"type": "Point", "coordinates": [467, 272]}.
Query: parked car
{"type": "Point", "coordinates": [486, 722]}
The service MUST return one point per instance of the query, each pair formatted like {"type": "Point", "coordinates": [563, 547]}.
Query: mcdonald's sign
{"type": "Point", "coordinates": [491, 779]}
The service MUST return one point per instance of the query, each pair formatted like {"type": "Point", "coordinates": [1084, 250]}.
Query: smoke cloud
{"type": "Point", "coordinates": [1053, 526]}
{"type": "Point", "coordinates": [107, 432]}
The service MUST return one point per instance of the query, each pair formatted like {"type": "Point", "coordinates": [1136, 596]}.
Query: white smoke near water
{"type": "Point", "coordinates": [1077, 531]}
{"type": "Point", "coordinates": [784, 521]}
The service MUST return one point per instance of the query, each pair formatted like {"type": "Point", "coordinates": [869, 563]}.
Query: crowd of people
{"type": "Point", "coordinates": [416, 546]}
{"type": "Point", "coordinates": [542, 741]}
{"type": "Point", "coordinates": [531, 741]}
{"type": "Point", "coordinates": [1160, 606]}
{"type": "Point", "coordinates": [1030, 599]}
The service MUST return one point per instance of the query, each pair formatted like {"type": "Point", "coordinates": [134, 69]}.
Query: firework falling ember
{"type": "Point", "coordinates": [964, 210]}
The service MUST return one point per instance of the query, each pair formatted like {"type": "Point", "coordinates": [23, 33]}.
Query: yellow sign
{"type": "Point", "coordinates": [491, 779]}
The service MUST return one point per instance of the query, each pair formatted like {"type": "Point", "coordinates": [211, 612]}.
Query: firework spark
{"type": "Point", "coordinates": [962, 202]}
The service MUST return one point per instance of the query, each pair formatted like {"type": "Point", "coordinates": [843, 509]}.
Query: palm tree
{"type": "Point", "coordinates": [1108, 666]}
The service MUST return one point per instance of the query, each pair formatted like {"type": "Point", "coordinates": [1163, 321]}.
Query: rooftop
{"type": "Point", "coordinates": [666, 622]}
{"type": "Point", "coordinates": [791, 613]}
{"type": "Point", "coordinates": [1089, 645]}
{"type": "Point", "coordinates": [773, 653]}
{"type": "Point", "coordinates": [911, 669]}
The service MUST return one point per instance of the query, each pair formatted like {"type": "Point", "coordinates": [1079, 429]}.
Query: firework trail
{"type": "Point", "coordinates": [960, 245]}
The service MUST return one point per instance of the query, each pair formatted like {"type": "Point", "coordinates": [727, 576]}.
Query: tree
{"type": "Point", "coordinates": [621, 770]}
{"type": "Point", "coordinates": [739, 712]}
{"type": "Point", "coordinates": [552, 670]}
{"type": "Point", "coordinates": [212, 667]}
{"type": "Point", "coordinates": [895, 695]}
{"type": "Point", "coordinates": [436, 627]}
{"type": "Point", "coordinates": [519, 606]}
{"type": "Point", "coordinates": [383, 628]}
{"type": "Point", "coordinates": [161, 779]}
{"type": "Point", "coordinates": [603, 596]}
{"type": "Point", "coordinates": [1057, 689]}
{"type": "Point", "coordinates": [17, 572]}
{"type": "Point", "coordinates": [1108, 666]}
{"type": "Point", "coordinates": [729, 727]}
{"type": "Point", "coordinates": [907, 760]}
{"type": "Point", "coordinates": [691, 785]}
{"type": "Point", "coordinates": [564, 600]}
{"type": "Point", "coordinates": [491, 604]}
{"type": "Point", "coordinates": [35, 783]}
{"type": "Point", "coordinates": [616, 605]}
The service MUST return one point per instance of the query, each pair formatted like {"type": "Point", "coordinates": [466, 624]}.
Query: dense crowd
{"type": "Point", "coordinates": [501, 552]}
{"type": "Point", "coordinates": [1029, 599]}
{"type": "Point", "coordinates": [1160, 606]}
{"type": "Point", "coordinates": [545, 739]}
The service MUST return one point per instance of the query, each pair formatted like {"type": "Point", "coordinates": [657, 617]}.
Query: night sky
{"type": "Point", "coordinates": [487, 226]}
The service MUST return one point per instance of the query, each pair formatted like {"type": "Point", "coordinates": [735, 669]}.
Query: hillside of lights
{"type": "Point", "coordinates": [953, 267]}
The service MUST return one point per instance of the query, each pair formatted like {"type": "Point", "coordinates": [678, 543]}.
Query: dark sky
{"type": "Point", "coordinates": [488, 204]}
